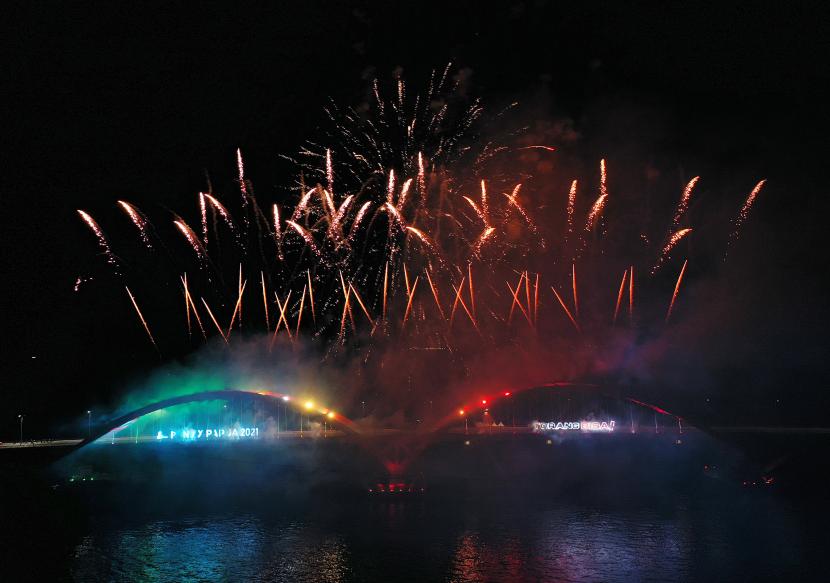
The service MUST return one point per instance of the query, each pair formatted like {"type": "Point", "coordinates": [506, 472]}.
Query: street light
{"type": "Point", "coordinates": [89, 424]}
{"type": "Point", "coordinates": [21, 427]}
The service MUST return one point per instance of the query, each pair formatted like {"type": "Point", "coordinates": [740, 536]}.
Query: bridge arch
{"type": "Point", "coordinates": [305, 406]}
{"type": "Point", "coordinates": [487, 400]}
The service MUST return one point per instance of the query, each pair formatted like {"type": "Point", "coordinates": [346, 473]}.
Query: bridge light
{"type": "Point", "coordinates": [507, 393]}
{"type": "Point", "coordinates": [484, 401]}
{"type": "Point", "coordinates": [309, 404]}
{"type": "Point", "coordinates": [331, 415]}
{"type": "Point", "coordinates": [286, 398]}
{"type": "Point", "coordinates": [461, 412]}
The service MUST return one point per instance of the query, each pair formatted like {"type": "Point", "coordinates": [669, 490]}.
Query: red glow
{"type": "Point", "coordinates": [507, 393]}
{"type": "Point", "coordinates": [484, 401]}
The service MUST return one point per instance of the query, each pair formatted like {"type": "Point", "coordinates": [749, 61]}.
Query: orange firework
{"type": "Point", "coordinates": [99, 234]}
{"type": "Point", "coordinates": [750, 200]}
{"type": "Point", "coordinates": [300, 313]}
{"type": "Point", "coordinates": [435, 296]}
{"type": "Point", "coordinates": [573, 285]}
{"type": "Point", "coordinates": [192, 239]}
{"type": "Point", "coordinates": [139, 221]}
{"type": "Point", "coordinates": [409, 301]}
{"type": "Point", "coordinates": [596, 212]}
{"type": "Point", "coordinates": [684, 201]}
{"type": "Point", "coordinates": [676, 289]}
{"type": "Point", "coordinates": [311, 296]}
{"type": "Point", "coordinates": [673, 240]}
{"type": "Point", "coordinates": [619, 296]}
{"type": "Point", "coordinates": [517, 301]}
{"type": "Point", "coordinates": [309, 240]}
{"type": "Point", "coordinates": [460, 300]}
{"type": "Point", "coordinates": [237, 309]}
{"type": "Point", "coordinates": [203, 213]}
{"type": "Point", "coordinates": [143, 321]}
{"type": "Point", "coordinates": [220, 208]}
{"type": "Point", "coordinates": [631, 294]}
{"type": "Point", "coordinates": [265, 302]}
{"type": "Point", "coordinates": [362, 305]}
{"type": "Point", "coordinates": [564, 307]}
{"type": "Point", "coordinates": [571, 206]}
{"type": "Point", "coordinates": [189, 301]}
{"type": "Point", "coordinates": [485, 208]}
{"type": "Point", "coordinates": [283, 318]}
{"type": "Point", "coordinates": [215, 322]}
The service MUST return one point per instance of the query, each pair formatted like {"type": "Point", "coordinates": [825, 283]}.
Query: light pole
{"type": "Point", "coordinates": [21, 427]}
{"type": "Point", "coordinates": [88, 424]}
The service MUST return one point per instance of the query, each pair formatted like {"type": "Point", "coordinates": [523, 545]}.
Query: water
{"type": "Point", "coordinates": [754, 537]}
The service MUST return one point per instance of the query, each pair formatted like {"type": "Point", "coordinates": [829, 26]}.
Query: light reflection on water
{"type": "Point", "coordinates": [491, 541]}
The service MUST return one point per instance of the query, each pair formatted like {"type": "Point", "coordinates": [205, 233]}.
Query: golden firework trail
{"type": "Point", "coordinates": [362, 305]}
{"type": "Point", "coordinates": [390, 188]}
{"type": "Point", "coordinates": [676, 289]}
{"type": "Point", "coordinates": [359, 218]}
{"type": "Point", "coordinates": [311, 296]}
{"type": "Point", "coordinates": [139, 221]}
{"type": "Point", "coordinates": [300, 313]}
{"type": "Point", "coordinates": [243, 188]}
{"type": "Point", "coordinates": [571, 206]}
{"type": "Point", "coordinates": [485, 235]}
{"type": "Point", "coordinates": [189, 301]}
{"type": "Point", "coordinates": [517, 301]}
{"type": "Point", "coordinates": [421, 178]}
{"type": "Point", "coordinates": [565, 308]}
{"type": "Point", "coordinates": [99, 234]}
{"type": "Point", "coordinates": [485, 207]}
{"type": "Point", "coordinates": [631, 293]}
{"type": "Point", "coordinates": [192, 239]}
{"type": "Point", "coordinates": [409, 301]}
{"type": "Point", "coordinates": [596, 212]}
{"type": "Point", "coordinates": [215, 321]}
{"type": "Point", "coordinates": [460, 300]}
{"type": "Point", "coordinates": [203, 214]}
{"type": "Point", "coordinates": [220, 208]}
{"type": "Point", "coordinates": [283, 318]}
{"type": "Point", "coordinates": [435, 296]}
{"type": "Point", "coordinates": [603, 178]}
{"type": "Point", "coordinates": [472, 289]}
{"type": "Point", "coordinates": [478, 211]}
{"type": "Point", "coordinates": [309, 240]}
{"type": "Point", "coordinates": [143, 321]}
{"type": "Point", "coordinates": [394, 212]}
{"type": "Point", "coordinates": [404, 194]}
{"type": "Point", "coordinates": [265, 302]}
{"type": "Point", "coordinates": [673, 240]}
{"type": "Point", "coordinates": [619, 297]}
{"type": "Point", "coordinates": [237, 309]}
{"type": "Point", "coordinates": [743, 214]}
{"type": "Point", "coordinates": [329, 171]}
{"type": "Point", "coordinates": [683, 205]}
{"type": "Point", "coordinates": [573, 286]}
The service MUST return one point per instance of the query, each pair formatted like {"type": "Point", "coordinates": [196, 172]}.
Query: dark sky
{"type": "Point", "coordinates": [113, 100]}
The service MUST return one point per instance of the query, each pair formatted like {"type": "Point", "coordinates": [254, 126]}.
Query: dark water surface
{"type": "Point", "coordinates": [754, 537]}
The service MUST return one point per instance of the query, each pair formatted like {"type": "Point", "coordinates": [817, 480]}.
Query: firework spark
{"type": "Point", "coordinates": [750, 200]}
{"type": "Point", "coordinates": [99, 234]}
{"type": "Point", "coordinates": [676, 289]}
{"type": "Point", "coordinates": [670, 244]}
{"type": "Point", "coordinates": [138, 220]}
{"type": "Point", "coordinates": [143, 321]}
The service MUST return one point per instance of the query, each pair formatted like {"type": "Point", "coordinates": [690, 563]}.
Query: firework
{"type": "Point", "coordinates": [743, 214]}
{"type": "Point", "coordinates": [670, 244]}
{"type": "Point", "coordinates": [192, 239]}
{"type": "Point", "coordinates": [215, 321]}
{"type": "Point", "coordinates": [619, 297]}
{"type": "Point", "coordinates": [143, 321]}
{"type": "Point", "coordinates": [99, 234]}
{"type": "Point", "coordinates": [565, 308]}
{"type": "Point", "coordinates": [676, 289]}
{"type": "Point", "coordinates": [138, 220]}
{"type": "Point", "coordinates": [683, 205]}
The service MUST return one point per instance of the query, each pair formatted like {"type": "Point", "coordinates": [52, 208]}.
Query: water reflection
{"type": "Point", "coordinates": [473, 542]}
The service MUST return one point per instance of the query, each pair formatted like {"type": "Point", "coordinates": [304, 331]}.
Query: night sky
{"type": "Point", "coordinates": [112, 101]}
